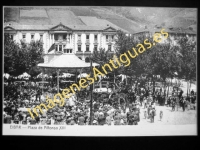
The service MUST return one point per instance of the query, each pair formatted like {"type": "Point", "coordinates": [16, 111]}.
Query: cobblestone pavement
{"type": "Point", "coordinates": [170, 118]}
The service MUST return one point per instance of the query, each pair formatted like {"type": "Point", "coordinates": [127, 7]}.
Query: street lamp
{"type": "Point", "coordinates": [91, 91]}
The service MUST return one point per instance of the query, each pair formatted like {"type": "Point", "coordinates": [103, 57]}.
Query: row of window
{"type": "Point", "coordinates": [32, 36]}
{"type": "Point", "coordinates": [60, 48]}
{"type": "Point", "coordinates": [108, 37]}
{"type": "Point", "coordinates": [88, 37]}
{"type": "Point", "coordinates": [88, 48]}
{"type": "Point", "coordinates": [64, 37]}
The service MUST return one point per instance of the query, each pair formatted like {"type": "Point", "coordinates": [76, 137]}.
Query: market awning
{"type": "Point", "coordinates": [66, 61]}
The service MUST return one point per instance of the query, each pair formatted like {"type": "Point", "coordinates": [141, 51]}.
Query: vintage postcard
{"type": "Point", "coordinates": [99, 71]}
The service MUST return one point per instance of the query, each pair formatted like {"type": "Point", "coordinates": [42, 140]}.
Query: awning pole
{"type": "Point", "coordinates": [58, 80]}
{"type": "Point", "coordinates": [42, 79]}
{"type": "Point", "coordinates": [76, 76]}
{"type": "Point", "coordinates": [114, 80]}
{"type": "Point", "coordinates": [91, 91]}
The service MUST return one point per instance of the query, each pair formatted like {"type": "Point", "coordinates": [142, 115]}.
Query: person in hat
{"type": "Point", "coordinates": [145, 102]}
{"type": "Point", "coordinates": [108, 118]}
{"type": "Point", "coordinates": [152, 114]}
{"type": "Point", "coordinates": [81, 119]}
{"type": "Point", "coordinates": [8, 118]}
{"type": "Point", "coordinates": [192, 92]}
{"type": "Point", "coordinates": [173, 105]}
{"type": "Point", "coordinates": [137, 109]}
{"type": "Point", "coordinates": [161, 115]}
{"type": "Point", "coordinates": [117, 119]}
{"type": "Point", "coordinates": [183, 103]}
{"type": "Point", "coordinates": [131, 118]}
{"type": "Point", "coordinates": [141, 99]}
{"type": "Point", "coordinates": [13, 111]}
{"type": "Point", "coordinates": [148, 111]}
{"type": "Point", "coordinates": [24, 115]}
{"type": "Point", "coordinates": [101, 118]}
{"type": "Point", "coordinates": [169, 101]}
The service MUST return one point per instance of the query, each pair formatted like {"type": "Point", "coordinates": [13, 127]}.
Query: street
{"type": "Point", "coordinates": [170, 118]}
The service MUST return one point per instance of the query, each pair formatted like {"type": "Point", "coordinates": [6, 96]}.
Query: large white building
{"type": "Point", "coordinates": [62, 30]}
{"type": "Point", "coordinates": [78, 39]}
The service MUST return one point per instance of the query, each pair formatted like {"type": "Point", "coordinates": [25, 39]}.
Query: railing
{"type": "Point", "coordinates": [87, 52]}
{"type": "Point", "coordinates": [87, 41]}
{"type": "Point", "coordinates": [79, 52]}
{"type": "Point", "coordinates": [95, 41]}
{"type": "Point", "coordinates": [109, 40]}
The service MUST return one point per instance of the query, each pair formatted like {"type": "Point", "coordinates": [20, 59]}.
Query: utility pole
{"type": "Point", "coordinates": [91, 91]}
{"type": "Point", "coordinates": [57, 79]}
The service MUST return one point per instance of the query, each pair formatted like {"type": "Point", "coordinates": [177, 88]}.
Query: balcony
{"type": "Point", "coordinates": [79, 41]}
{"type": "Point", "coordinates": [87, 41]}
{"type": "Point", "coordinates": [109, 40]}
{"type": "Point", "coordinates": [58, 52]}
{"type": "Point", "coordinates": [61, 41]}
{"type": "Point", "coordinates": [87, 52]}
{"type": "Point", "coordinates": [79, 52]}
{"type": "Point", "coordinates": [95, 41]}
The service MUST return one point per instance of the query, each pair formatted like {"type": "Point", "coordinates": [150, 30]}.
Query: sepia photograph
{"type": "Point", "coordinates": [99, 71]}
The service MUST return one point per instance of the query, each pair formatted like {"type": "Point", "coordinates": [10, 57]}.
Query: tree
{"type": "Point", "coordinates": [22, 57]}
{"type": "Point", "coordinates": [188, 63]}
{"type": "Point", "coordinates": [102, 56]}
{"type": "Point", "coordinates": [161, 59]}
{"type": "Point", "coordinates": [139, 65]}
{"type": "Point", "coordinates": [34, 57]}
{"type": "Point", "coordinates": [14, 62]}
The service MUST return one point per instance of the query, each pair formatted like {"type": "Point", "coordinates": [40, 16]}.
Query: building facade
{"type": "Point", "coordinates": [61, 39]}
{"type": "Point", "coordinates": [82, 40]}
{"type": "Point", "coordinates": [174, 34]}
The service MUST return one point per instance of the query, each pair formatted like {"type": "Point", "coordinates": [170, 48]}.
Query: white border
{"type": "Point", "coordinates": [133, 130]}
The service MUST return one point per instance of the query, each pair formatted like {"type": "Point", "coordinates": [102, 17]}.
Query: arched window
{"type": "Point", "coordinates": [87, 59]}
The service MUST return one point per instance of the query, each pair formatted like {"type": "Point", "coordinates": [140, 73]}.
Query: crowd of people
{"type": "Point", "coordinates": [106, 109]}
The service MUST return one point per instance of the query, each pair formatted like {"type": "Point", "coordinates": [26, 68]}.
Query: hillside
{"type": "Point", "coordinates": [176, 17]}
{"type": "Point", "coordinates": [130, 19]}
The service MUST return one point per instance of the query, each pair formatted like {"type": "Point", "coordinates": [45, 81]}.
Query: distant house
{"type": "Point", "coordinates": [173, 33]}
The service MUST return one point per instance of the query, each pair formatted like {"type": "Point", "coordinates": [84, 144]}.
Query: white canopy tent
{"type": "Point", "coordinates": [24, 75]}
{"type": "Point", "coordinates": [82, 75]}
{"type": "Point", "coordinates": [6, 75]}
{"type": "Point", "coordinates": [40, 75]}
{"type": "Point", "coordinates": [68, 75]}
{"type": "Point", "coordinates": [65, 61]}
